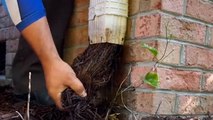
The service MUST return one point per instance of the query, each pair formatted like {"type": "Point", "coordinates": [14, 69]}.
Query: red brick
{"type": "Point", "coordinates": [207, 104]}
{"type": "Point", "coordinates": [12, 45]}
{"type": "Point", "coordinates": [81, 3]}
{"type": "Point", "coordinates": [10, 58]}
{"type": "Point", "coordinates": [149, 102]}
{"type": "Point", "coordinates": [9, 33]}
{"type": "Point", "coordinates": [146, 5]}
{"type": "Point", "coordinates": [71, 53]}
{"type": "Point", "coordinates": [195, 104]}
{"type": "Point", "coordinates": [137, 76]}
{"type": "Point", "coordinates": [168, 5]}
{"type": "Point", "coordinates": [179, 80]}
{"type": "Point", "coordinates": [134, 7]}
{"type": "Point", "coordinates": [174, 57]}
{"type": "Point", "coordinates": [134, 52]}
{"type": "Point", "coordinates": [77, 36]}
{"type": "Point", "coordinates": [80, 17]}
{"type": "Point", "coordinates": [8, 71]}
{"type": "Point", "coordinates": [199, 57]}
{"type": "Point", "coordinates": [200, 10]}
{"type": "Point", "coordinates": [208, 86]}
{"type": "Point", "coordinates": [190, 105]}
{"type": "Point", "coordinates": [148, 26]}
{"type": "Point", "coordinates": [173, 6]}
{"type": "Point", "coordinates": [5, 22]}
{"type": "Point", "coordinates": [183, 30]}
{"type": "Point", "coordinates": [155, 25]}
{"type": "Point", "coordinates": [170, 79]}
{"type": "Point", "coordinates": [3, 12]}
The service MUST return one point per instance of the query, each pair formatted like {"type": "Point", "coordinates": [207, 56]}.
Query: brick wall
{"type": "Point", "coordinates": [10, 35]}
{"type": "Point", "coordinates": [77, 35]}
{"type": "Point", "coordinates": [185, 83]}
{"type": "Point", "coordinates": [185, 75]}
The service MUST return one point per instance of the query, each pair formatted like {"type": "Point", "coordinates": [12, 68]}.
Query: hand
{"type": "Point", "coordinates": [59, 75]}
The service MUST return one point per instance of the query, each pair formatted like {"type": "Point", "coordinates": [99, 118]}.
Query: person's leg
{"type": "Point", "coordinates": [58, 13]}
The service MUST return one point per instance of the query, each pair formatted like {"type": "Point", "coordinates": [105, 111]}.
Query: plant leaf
{"type": "Point", "coordinates": [152, 79]}
{"type": "Point", "coordinates": [153, 50]}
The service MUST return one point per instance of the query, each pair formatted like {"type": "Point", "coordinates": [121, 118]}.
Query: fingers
{"type": "Point", "coordinates": [58, 101]}
{"type": "Point", "coordinates": [83, 94]}
{"type": "Point", "coordinates": [76, 85]}
{"type": "Point", "coordinates": [56, 96]}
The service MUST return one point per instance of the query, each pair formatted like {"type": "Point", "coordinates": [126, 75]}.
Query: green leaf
{"type": "Point", "coordinates": [152, 79]}
{"type": "Point", "coordinates": [153, 50]}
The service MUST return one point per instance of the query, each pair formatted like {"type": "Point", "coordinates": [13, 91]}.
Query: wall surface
{"type": "Point", "coordinates": [10, 34]}
{"type": "Point", "coordinates": [185, 83]}
{"type": "Point", "coordinates": [77, 35]}
{"type": "Point", "coordinates": [185, 75]}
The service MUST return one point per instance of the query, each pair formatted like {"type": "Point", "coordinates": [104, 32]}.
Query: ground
{"type": "Point", "coordinates": [10, 106]}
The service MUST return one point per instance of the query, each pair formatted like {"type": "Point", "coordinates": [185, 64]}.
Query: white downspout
{"type": "Point", "coordinates": [107, 21]}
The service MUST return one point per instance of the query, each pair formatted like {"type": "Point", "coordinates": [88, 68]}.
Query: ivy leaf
{"type": "Point", "coordinates": [152, 79]}
{"type": "Point", "coordinates": [153, 50]}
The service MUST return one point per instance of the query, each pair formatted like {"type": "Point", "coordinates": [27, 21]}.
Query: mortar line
{"type": "Point", "coordinates": [202, 82]}
{"type": "Point", "coordinates": [174, 92]}
{"type": "Point", "coordinates": [207, 39]}
{"type": "Point", "coordinates": [78, 26]}
{"type": "Point", "coordinates": [75, 46]}
{"type": "Point", "coordinates": [169, 66]}
{"type": "Point", "coordinates": [187, 18]}
{"type": "Point", "coordinates": [144, 114]}
{"type": "Point", "coordinates": [182, 55]}
{"type": "Point", "coordinates": [176, 106]}
{"type": "Point", "coordinates": [181, 17]}
{"type": "Point", "coordinates": [184, 6]}
{"type": "Point", "coordinates": [187, 68]}
{"type": "Point", "coordinates": [77, 8]}
{"type": "Point", "coordinates": [179, 41]}
{"type": "Point", "coordinates": [133, 27]}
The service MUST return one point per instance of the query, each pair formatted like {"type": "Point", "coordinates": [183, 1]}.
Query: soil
{"type": "Point", "coordinates": [9, 104]}
{"type": "Point", "coordinates": [95, 68]}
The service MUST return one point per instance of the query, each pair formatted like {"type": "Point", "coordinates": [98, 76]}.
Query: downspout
{"type": "Point", "coordinates": [107, 21]}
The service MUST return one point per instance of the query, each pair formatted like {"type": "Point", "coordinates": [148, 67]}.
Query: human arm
{"type": "Point", "coordinates": [58, 74]}
{"type": "Point", "coordinates": [35, 29]}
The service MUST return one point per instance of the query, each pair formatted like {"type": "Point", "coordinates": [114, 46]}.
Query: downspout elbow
{"type": "Point", "coordinates": [108, 21]}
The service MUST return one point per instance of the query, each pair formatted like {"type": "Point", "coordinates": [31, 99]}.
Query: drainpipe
{"type": "Point", "coordinates": [107, 21]}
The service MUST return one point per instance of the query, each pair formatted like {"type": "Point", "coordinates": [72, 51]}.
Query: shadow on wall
{"type": "Point", "coordinates": [2, 57]}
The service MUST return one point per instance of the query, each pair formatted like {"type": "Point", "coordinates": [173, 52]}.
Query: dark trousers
{"type": "Point", "coordinates": [25, 61]}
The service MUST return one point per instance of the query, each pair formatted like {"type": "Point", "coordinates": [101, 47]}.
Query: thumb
{"type": "Point", "coordinates": [76, 85]}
